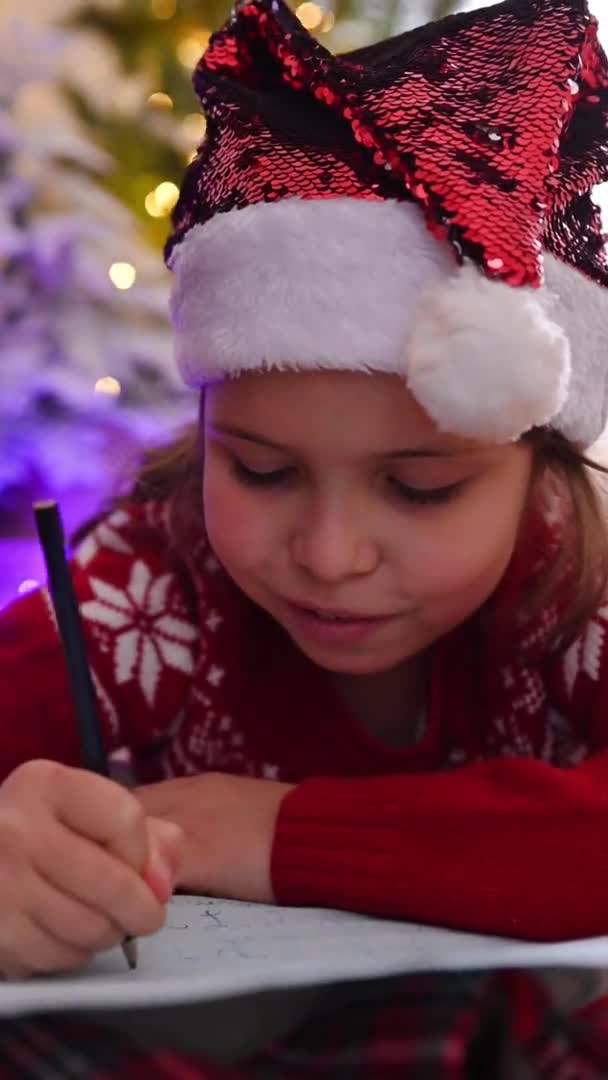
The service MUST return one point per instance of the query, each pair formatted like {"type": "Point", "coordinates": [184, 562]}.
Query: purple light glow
{"type": "Point", "coordinates": [21, 562]}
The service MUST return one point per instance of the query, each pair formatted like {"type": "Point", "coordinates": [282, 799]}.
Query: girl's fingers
{"type": "Point", "coordinates": [91, 805]}
{"type": "Point", "coordinates": [73, 849]}
{"type": "Point", "coordinates": [96, 878]}
{"type": "Point", "coordinates": [99, 809]}
{"type": "Point", "coordinates": [166, 852]}
{"type": "Point", "coordinates": [30, 950]}
{"type": "Point", "coordinates": [69, 921]}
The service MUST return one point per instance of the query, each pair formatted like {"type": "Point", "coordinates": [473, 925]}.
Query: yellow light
{"type": "Point", "coordinates": [151, 205]}
{"type": "Point", "coordinates": [328, 23]}
{"type": "Point", "coordinates": [160, 101]}
{"type": "Point", "coordinates": [160, 202]}
{"type": "Point", "coordinates": [191, 48]}
{"type": "Point", "coordinates": [108, 385]}
{"type": "Point", "coordinates": [310, 15]}
{"type": "Point", "coordinates": [122, 275]}
{"type": "Point", "coordinates": [166, 196]}
{"type": "Point", "coordinates": [163, 9]}
{"type": "Point", "coordinates": [194, 126]}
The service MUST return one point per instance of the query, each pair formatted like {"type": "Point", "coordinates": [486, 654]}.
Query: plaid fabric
{"type": "Point", "coordinates": [426, 1027]}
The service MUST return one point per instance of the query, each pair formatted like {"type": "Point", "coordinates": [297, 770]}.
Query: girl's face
{"type": "Point", "coordinates": [335, 492]}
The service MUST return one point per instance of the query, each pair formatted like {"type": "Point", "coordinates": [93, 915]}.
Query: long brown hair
{"type": "Point", "coordinates": [172, 470]}
{"type": "Point", "coordinates": [582, 559]}
{"type": "Point", "coordinates": [175, 471]}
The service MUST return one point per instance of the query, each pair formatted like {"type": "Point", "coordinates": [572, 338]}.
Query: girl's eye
{"type": "Point", "coordinates": [425, 496]}
{"type": "Point", "coordinates": [412, 495]}
{"type": "Point", "coordinates": [251, 478]}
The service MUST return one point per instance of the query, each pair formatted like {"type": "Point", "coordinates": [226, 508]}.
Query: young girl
{"type": "Point", "coordinates": [352, 627]}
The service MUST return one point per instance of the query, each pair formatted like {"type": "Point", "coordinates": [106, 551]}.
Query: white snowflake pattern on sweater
{"type": "Point", "coordinates": [144, 626]}
{"type": "Point", "coordinates": [585, 654]}
{"type": "Point", "coordinates": [107, 534]}
{"type": "Point", "coordinates": [145, 630]}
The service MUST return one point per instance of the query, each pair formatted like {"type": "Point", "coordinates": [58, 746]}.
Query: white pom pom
{"type": "Point", "coordinates": [484, 358]}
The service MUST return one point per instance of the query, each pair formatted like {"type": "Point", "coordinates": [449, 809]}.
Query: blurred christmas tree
{"type": "Point", "coordinates": [85, 352]}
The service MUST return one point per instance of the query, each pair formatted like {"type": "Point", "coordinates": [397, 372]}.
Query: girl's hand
{"type": "Point", "coordinates": [228, 824]}
{"type": "Point", "coordinates": [81, 866]}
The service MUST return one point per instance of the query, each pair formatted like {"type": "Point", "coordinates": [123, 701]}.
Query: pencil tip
{"type": "Point", "coordinates": [129, 948]}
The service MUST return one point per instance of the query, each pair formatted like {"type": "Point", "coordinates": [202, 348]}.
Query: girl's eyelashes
{"type": "Point", "coordinates": [426, 496]}
{"type": "Point", "coordinates": [251, 478]}
{"type": "Point", "coordinates": [281, 477]}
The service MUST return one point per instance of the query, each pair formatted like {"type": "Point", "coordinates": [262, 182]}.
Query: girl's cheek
{"type": "Point", "coordinates": [233, 530]}
{"type": "Point", "coordinates": [453, 568]}
{"type": "Point", "coordinates": [224, 511]}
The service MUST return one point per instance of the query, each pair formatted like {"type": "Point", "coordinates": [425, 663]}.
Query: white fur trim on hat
{"type": "Point", "coordinates": [359, 285]}
{"type": "Point", "coordinates": [485, 360]}
{"type": "Point", "coordinates": [582, 310]}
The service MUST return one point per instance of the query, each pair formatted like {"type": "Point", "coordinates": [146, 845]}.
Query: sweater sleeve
{"type": "Point", "coordinates": [140, 640]}
{"type": "Point", "coordinates": [511, 846]}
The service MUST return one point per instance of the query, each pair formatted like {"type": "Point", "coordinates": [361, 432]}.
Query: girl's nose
{"type": "Point", "coordinates": [332, 546]}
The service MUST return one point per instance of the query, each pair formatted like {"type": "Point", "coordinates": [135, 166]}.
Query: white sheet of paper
{"type": "Point", "coordinates": [210, 949]}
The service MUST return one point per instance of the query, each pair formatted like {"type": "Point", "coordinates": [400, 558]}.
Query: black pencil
{"type": "Point", "coordinates": [50, 534]}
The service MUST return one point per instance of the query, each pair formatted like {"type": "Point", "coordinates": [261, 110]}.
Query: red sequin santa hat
{"type": "Point", "coordinates": [422, 206]}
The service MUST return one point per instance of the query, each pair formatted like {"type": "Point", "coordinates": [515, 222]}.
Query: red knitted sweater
{"type": "Point", "coordinates": [494, 821]}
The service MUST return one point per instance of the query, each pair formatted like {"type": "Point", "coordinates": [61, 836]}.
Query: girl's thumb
{"type": "Point", "coordinates": [165, 854]}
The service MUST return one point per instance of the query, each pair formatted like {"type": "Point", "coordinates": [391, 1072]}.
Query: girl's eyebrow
{"type": "Point", "coordinates": [251, 436]}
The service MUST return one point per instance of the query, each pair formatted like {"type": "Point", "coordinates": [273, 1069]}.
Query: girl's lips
{"type": "Point", "coordinates": [339, 631]}
{"type": "Point", "coordinates": [338, 613]}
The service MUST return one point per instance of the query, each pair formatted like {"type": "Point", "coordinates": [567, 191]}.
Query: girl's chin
{"type": "Point", "coordinates": [350, 661]}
